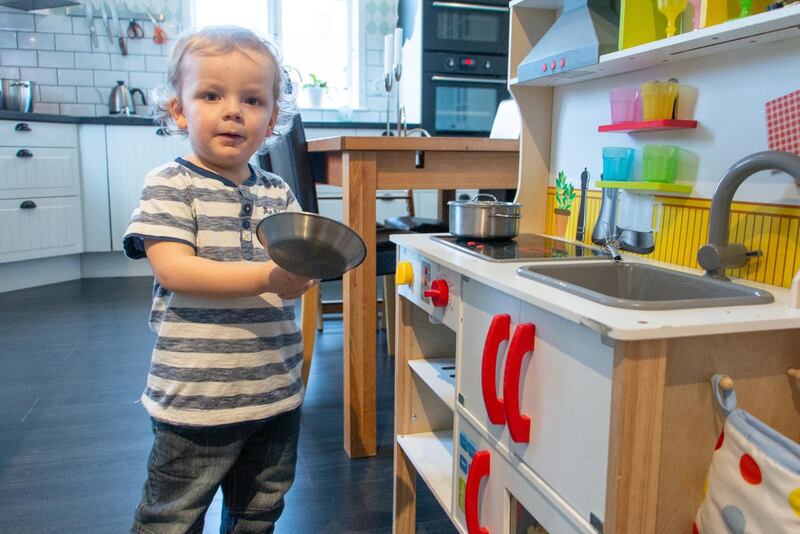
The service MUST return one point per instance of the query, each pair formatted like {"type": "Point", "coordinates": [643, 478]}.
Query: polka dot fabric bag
{"type": "Point", "coordinates": [753, 484]}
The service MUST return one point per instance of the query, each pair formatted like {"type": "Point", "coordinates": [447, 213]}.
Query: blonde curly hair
{"type": "Point", "coordinates": [217, 40]}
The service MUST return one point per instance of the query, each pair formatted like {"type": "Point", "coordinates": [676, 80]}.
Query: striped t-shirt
{"type": "Point", "coordinates": [216, 362]}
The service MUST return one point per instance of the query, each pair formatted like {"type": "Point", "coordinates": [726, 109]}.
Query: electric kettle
{"type": "Point", "coordinates": [120, 101]}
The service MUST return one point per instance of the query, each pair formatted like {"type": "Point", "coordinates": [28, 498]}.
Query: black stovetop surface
{"type": "Point", "coordinates": [525, 247]}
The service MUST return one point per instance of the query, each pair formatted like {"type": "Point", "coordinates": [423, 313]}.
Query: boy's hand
{"type": "Point", "coordinates": [288, 286]}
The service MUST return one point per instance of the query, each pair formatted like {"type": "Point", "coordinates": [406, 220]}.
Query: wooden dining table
{"type": "Point", "coordinates": [362, 165]}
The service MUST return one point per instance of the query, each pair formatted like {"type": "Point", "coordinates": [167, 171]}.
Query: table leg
{"type": "Point", "coordinates": [359, 178]}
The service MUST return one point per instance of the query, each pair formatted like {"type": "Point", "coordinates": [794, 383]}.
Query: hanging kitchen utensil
{"type": "Point", "coordinates": [135, 30]}
{"type": "Point", "coordinates": [311, 245]}
{"type": "Point", "coordinates": [89, 11]}
{"type": "Point", "coordinates": [106, 20]}
{"type": "Point", "coordinates": [581, 229]}
{"type": "Point", "coordinates": [117, 24]}
{"type": "Point", "coordinates": [159, 35]}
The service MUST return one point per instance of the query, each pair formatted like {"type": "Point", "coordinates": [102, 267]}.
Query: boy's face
{"type": "Point", "coordinates": [227, 105]}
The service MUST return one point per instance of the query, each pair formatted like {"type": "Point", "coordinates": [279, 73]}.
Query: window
{"type": "Point", "coordinates": [318, 37]}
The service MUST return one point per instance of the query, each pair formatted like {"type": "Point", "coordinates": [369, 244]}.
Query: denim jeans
{"type": "Point", "coordinates": [253, 462]}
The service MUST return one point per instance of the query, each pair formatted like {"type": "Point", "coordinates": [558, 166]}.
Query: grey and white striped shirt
{"type": "Point", "coordinates": [216, 362]}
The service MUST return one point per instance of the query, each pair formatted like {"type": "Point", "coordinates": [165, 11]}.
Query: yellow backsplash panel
{"type": "Point", "coordinates": [773, 229]}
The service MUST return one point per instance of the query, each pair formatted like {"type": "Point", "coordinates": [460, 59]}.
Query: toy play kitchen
{"type": "Point", "coordinates": [542, 385]}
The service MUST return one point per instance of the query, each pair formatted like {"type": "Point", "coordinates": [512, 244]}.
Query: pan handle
{"type": "Point", "coordinates": [507, 215]}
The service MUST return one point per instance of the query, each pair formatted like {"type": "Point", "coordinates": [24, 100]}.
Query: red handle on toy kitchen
{"type": "Point", "coordinates": [439, 293]}
{"type": "Point", "coordinates": [519, 425]}
{"type": "Point", "coordinates": [478, 469]}
{"type": "Point", "coordinates": [499, 331]}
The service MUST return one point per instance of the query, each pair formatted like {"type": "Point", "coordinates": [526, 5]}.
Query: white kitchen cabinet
{"type": "Point", "coordinates": [40, 208]}
{"type": "Point", "coordinates": [40, 227]}
{"type": "Point", "coordinates": [133, 151]}
{"type": "Point", "coordinates": [550, 406]}
{"type": "Point", "coordinates": [501, 495]}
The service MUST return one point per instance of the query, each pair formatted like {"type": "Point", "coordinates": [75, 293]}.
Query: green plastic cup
{"type": "Point", "coordinates": [659, 163]}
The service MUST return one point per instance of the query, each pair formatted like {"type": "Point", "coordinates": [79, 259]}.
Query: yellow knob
{"type": "Point", "coordinates": [404, 276]}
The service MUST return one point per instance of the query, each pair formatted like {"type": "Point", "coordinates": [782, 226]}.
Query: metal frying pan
{"type": "Point", "coordinates": [311, 245]}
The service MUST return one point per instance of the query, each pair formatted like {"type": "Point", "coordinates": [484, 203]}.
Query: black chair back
{"type": "Point", "coordinates": [288, 158]}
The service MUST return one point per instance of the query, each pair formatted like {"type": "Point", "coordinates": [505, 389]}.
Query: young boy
{"type": "Point", "coordinates": [224, 388]}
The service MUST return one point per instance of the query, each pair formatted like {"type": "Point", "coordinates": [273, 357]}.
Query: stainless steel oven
{"type": "Point", "coordinates": [461, 92]}
{"type": "Point", "coordinates": [477, 26]}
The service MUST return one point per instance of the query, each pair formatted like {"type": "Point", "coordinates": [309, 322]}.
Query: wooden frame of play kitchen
{"type": "Point", "coordinates": [603, 420]}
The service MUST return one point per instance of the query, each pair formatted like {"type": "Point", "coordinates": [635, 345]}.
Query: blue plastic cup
{"type": "Point", "coordinates": [617, 163]}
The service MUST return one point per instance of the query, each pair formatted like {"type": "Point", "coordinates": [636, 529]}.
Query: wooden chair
{"type": "Point", "coordinates": [288, 158]}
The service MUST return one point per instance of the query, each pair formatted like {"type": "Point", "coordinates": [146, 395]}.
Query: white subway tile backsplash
{"type": "Point", "coordinates": [13, 21]}
{"type": "Point", "coordinates": [8, 40]}
{"type": "Point", "coordinates": [129, 62]}
{"type": "Point", "coordinates": [45, 107]}
{"type": "Point", "coordinates": [144, 46]}
{"type": "Point", "coordinates": [108, 78]}
{"type": "Point", "coordinates": [17, 58]}
{"type": "Point", "coordinates": [35, 41]}
{"type": "Point", "coordinates": [147, 79]}
{"type": "Point", "coordinates": [41, 76]}
{"type": "Point", "coordinates": [156, 63]}
{"type": "Point", "coordinates": [10, 72]}
{"type": "Point", "coordinates": [78, 43]}
{"type": "Point", "coordinates": [86, 60]}
{"type": "Point", "coordinates": [75, 77]}
{"type": "Point", "coordinates": [56, 59]}
{"type": "Point", "coordinates": [368, 116]}
{"type": "Point", "coordinates": [53, 23]}
{"type": "Point", "coordinates": [57, 93]}
{"type": "Point", "coordinates": [80, 110]}
{"type": "Point", "coordinates": [92, 95]}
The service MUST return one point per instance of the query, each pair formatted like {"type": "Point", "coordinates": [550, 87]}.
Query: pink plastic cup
{"type": "Point", "coordinates": [624, 104]}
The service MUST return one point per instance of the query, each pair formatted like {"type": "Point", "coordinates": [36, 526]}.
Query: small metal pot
{"type": "Point", "coordinates": [484, 219]}
{"type": "Point", "coordinates": [17, 95]}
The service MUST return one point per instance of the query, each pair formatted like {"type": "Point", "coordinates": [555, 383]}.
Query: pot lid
{"type": "Point", "coordinates": [476, 201]}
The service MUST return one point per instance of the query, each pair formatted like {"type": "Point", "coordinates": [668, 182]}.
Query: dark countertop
{"type": "Point", "coordinates": [141, 120]}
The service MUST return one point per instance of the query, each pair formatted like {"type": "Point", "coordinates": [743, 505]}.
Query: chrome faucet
{"type": "Point", "coordinates": [718, 254]}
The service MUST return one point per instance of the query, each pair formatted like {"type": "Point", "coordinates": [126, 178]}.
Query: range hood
{"type": "Point", "coordinates": [32, 5]}
{"type": "Point", "coordinates": [585, 30]}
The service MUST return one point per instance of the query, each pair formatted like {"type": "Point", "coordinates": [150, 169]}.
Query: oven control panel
{"type": "Point", "coordinates": [470, 64]}
{"type": "Point", "coordinates": [434, 288]}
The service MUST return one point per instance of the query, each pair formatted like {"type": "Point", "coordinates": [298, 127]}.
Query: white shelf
{"type": "Point", "coordinates": [431, 453]}
{"type": "Point", "coordinates": [765, 27]}
{"type": "Point", "coordinates": [538, 4]}
{"type": "Point", "coordinates": [439, 375]}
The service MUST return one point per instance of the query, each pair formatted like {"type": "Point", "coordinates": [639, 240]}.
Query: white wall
{"type": "Point", "coordinates": [732, 89]}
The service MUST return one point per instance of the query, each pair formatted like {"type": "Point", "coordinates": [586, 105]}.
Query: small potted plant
{"type": "Point", "coordinates": [565, 194]}
{"type": "Point", "coordinates": [315, 89]}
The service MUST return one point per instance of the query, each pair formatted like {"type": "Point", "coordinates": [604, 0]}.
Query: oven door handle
{"type": "Point", "coordinates": [473, 7]}
{"type": "Point", "coordinates": [437, 78]}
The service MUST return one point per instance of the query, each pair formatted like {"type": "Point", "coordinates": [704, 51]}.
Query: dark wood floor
{"type": "Point", "coordinates": [74, 439]}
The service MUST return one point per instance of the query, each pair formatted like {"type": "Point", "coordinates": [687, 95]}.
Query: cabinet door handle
{"type": "Point", "coordinates": [24, 153]}
{"type": "Point", "coordinates": [478, 469]}
{"type": "Point", "coordinates": [519, 425]}
{"type": "Point", "coordinates": [499, 331]}
{"type": "Point", "coordinates": [22, 127]}
{"type": "Point", "coordinates": [27, 205]}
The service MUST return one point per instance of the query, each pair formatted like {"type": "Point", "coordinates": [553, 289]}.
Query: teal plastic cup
{"type": "Point", "coordinates": [617, 163]}
{"type": "Point", "coordinates": [659, 163]}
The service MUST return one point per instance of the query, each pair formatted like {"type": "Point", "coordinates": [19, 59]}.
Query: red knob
{"type": "Point", "coordinates": [544, 67]}
{"type": "Point", "coordinates": [439, 293]}
{"type": "Point", "coordinates": [553, 65]}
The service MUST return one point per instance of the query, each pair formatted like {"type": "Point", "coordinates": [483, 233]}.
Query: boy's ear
{"type": "Point", "coordinates": [272, 122]}
{"type": "Point", "coordinates": [176, 111]}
